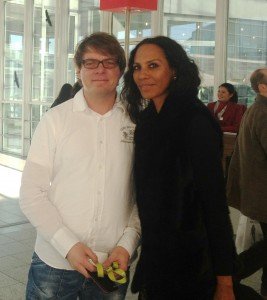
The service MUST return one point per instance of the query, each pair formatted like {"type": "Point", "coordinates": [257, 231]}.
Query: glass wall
{"type": "Point", "coordinates": [43, 51]}
{"type": "Point", "coordinates": [192, 24]}
{"type": "Point", "coordinates": [38, 40]}
{"type": "Point", "coordinates": [13, 77]}
{"type": "Point", "coordinates": [189, 24]}
{"type": "Point", "coordinates": [139, 28]}
{"type": "Point", "coordinates": [247, 45]}
{"type": "Point", "coordinates": [84, 18]}
{"type": "Point", "coordinates": [35, 68]}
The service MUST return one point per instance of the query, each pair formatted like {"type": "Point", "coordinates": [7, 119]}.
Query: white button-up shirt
{"type": "Point", "coordinates": [77, 182]}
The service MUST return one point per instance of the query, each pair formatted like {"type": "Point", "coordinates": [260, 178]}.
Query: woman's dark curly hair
{"type": "Point", "coordinates": [187, 74]}
{"type": "Point", "coordinates": [231, 90]}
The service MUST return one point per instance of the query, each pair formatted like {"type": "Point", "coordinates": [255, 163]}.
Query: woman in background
{"type": "Point", "coordinates": [187, 246]}
{"type": "Point", "coordinates": [76, 87]}
{"type": "Point", "coordinates": [226, 109]}
{"type": "Point", "coordinates": [67, 92]}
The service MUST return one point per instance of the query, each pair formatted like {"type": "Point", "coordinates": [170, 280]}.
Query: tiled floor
{"type": "Point", "coordinates": [17, 238]}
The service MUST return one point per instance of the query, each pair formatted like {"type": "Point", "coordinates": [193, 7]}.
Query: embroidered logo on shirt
{"type": "Point", "coordinates": [127, 134]}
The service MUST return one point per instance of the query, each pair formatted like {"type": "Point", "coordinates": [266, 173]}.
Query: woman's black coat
{"type": "Point", "coordinates": [187, 236]}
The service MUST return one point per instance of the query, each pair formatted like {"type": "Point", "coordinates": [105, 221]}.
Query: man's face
{"type": "Point", "coordinates": [99, 81]}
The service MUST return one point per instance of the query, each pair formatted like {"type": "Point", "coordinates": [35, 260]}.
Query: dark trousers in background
{"type": "Point", "coordinates": [254, 258]}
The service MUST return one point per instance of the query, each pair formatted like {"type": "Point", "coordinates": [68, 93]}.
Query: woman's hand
{"type": "Point", "coordinates": [224, 289]}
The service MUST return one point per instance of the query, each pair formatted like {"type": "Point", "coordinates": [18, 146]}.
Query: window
{"type": "Point", "coordinates": [247, 45]}
{"type": "Point", "coordinates": [13, 78]}
{"type": "Point", "coordinates": [196, 33]}
{"type": "Point", "coordinates": [43, 52]}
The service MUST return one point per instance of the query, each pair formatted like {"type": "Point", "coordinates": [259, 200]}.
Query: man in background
{"type": "Point", "coordinates": [247, 177]}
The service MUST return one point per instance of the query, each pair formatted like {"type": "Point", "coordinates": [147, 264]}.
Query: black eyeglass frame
{"type": "Point", "coordinates": [105, 63]}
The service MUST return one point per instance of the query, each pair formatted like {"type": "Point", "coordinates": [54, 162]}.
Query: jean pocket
{"type": "Point", "coordinates": [36, 259]}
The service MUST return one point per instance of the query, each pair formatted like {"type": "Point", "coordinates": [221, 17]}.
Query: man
{"type": "Point", "coordinates": [247, 177]}
{"type": "Point", "coordinates": [77, 182]}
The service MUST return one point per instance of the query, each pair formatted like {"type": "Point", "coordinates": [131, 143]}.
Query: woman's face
{"type": "Point", "coordinates": [223, 94]}
{"type": "Point", "coordinates": [152, 73]}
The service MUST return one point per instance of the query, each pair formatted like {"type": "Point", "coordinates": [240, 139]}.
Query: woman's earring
{"type": "Point", "coordinates": [174, 78]}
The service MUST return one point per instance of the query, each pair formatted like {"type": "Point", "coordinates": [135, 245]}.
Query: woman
{"type": "Point", "coordinates": [64, 94]}
{"type": "Point", "coordinates": [226, 109]}
{"type": "Point", "coordinates": [67, 92]}
{"type": "Point", "coordinates": [187, 248]}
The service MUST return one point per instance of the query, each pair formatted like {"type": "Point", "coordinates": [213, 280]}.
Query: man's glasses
{"type": "Point", "coordinates": [108, 63]}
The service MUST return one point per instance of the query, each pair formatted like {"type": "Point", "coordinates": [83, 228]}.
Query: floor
{"type": "Point", "coordinates": [17, 236]}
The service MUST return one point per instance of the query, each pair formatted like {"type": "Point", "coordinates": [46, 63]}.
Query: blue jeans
{"type": "Point", "coordinates": [45, 282]}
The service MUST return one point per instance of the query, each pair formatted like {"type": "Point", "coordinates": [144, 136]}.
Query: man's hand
{"type": "Point", "coordinates": [79, 256]}
{"type": "Point", "coordinates": [120, 255]}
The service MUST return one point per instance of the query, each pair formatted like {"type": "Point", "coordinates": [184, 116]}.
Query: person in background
{"type": "Point", "coordinates": [226, 109]}
{"type": "Point", "coordinates": [187, 249]}
{"type": "Point", "coordinates": [76, 87]}
{"type": "Point", "coordinates": [247, 177]}
{"type": "Point", "coordinates": [76, 186]}
{"type": "Point", "coordinates": [65, 93]}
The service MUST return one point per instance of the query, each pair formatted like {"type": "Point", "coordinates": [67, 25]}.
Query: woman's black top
{"type": "Point", "coordinates": [187, 235]}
